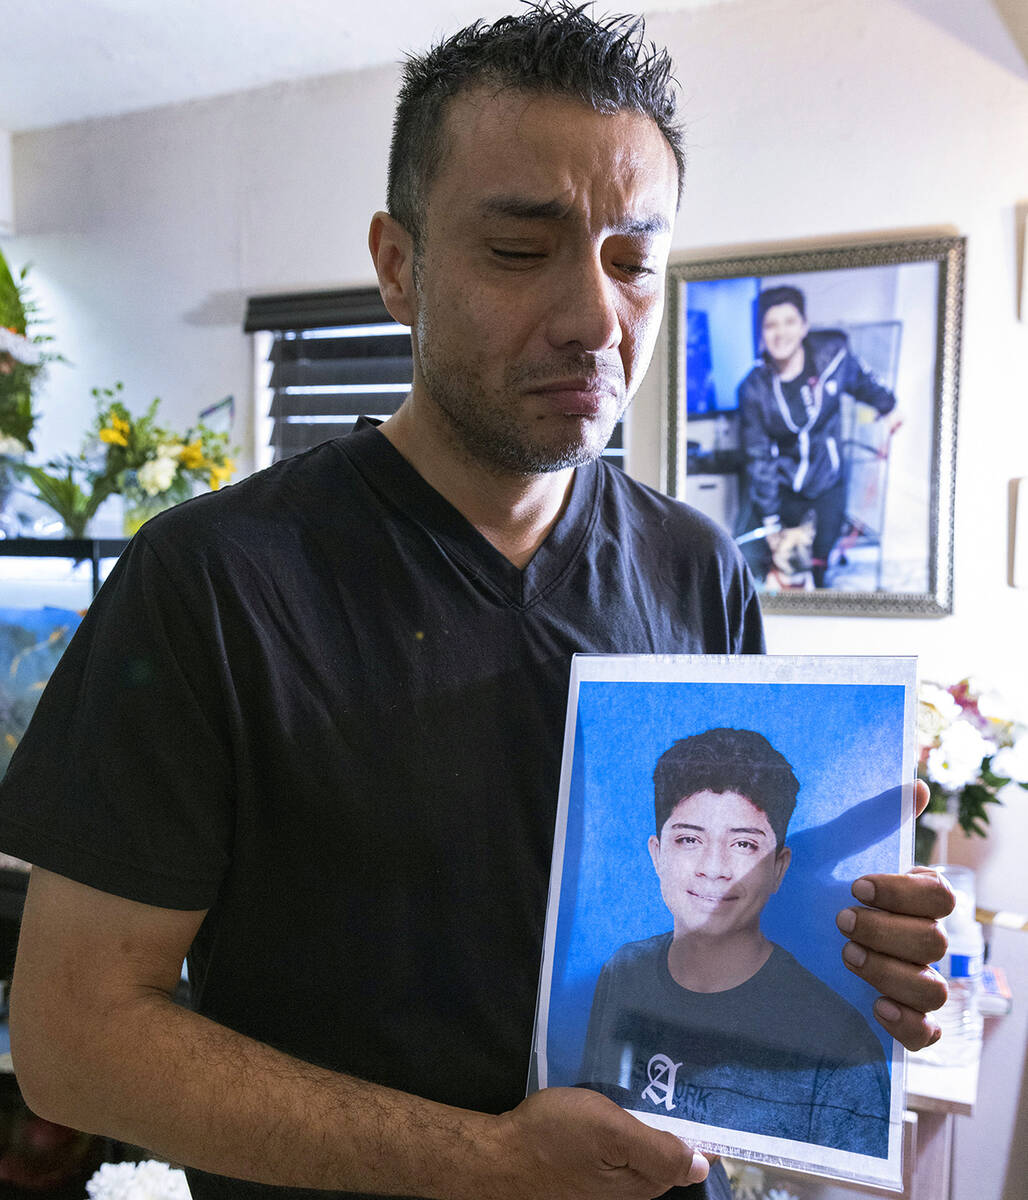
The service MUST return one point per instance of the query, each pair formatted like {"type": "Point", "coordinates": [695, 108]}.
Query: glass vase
{"type": "Point", "coordinates": [140, 507]}
{"type": "Point", "coordinates": [931, 834]}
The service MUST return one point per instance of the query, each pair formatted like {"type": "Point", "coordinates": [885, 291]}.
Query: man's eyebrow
{"type": "Point", "coordinates": [526, 209]}
{"type": "Point", "coordinates": [523, 207]}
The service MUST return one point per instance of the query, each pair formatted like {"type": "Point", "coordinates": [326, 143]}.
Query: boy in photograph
{"type": "Point", "coordinates": [790, 405]}
{"type": "Point", "coordinates": [712, 1022]}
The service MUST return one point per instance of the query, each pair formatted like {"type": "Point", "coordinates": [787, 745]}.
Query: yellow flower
{"type": "Point", "coordinates": [114, 434]}
{"type": "Point", "coordinates": [222, 474]}
{"type": "Point", "coordinates": [191, 456]}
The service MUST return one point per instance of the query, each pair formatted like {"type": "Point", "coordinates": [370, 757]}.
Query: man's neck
{"type": "Point", "coordinates": [715, 964]}
{"type": "Point", "coordinates": [513, 512]}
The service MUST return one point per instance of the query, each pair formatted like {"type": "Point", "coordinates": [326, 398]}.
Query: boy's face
{"type": "Point", "coordinates": [717, 862]}
{"type": "Point", "coordinates": [783, 330]}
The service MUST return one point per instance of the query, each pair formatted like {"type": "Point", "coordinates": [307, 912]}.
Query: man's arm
{"type": "Point", "coordinates": [99, 1045]}
{"type": "Point", "coordinates": [893, 941]}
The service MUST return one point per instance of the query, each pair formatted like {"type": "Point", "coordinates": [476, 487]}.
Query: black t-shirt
{"type": "Point", "coordinates": [799, 393]}
{"type": "Point", "coordinates": [322, 705]}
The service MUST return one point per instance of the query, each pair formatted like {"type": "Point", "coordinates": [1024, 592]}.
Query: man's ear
{"type": "Point", "coordinates": [654, 848]}
{"type": "Point", "coordinates": [782, 860]}
{"type": "Point", "coordinates": [392, 251]}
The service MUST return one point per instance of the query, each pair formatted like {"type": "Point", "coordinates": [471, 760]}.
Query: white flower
{"type": "Point", "coordinates": [11, 445]}
{"type": "Point", "coordinates": [157, 475]}
{"type": "Point", "coordinates": [957, 759]}
{"type": "Point", "coordinates": [170, 449]}
{"type": "Point", "coordinates": [138, 1181]}
{"type": "Point", "coordinates": [19, 347]}
{"type": "Point", "coordinates": [1011, 762]}
{"type": "Point", "coordinates": [936, 710]}
{"type": "Point", "coordinates": [993, 707]}
{"type": "Point", "coordinates": [780, 1194]}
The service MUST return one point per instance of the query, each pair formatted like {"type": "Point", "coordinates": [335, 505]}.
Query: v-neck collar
{"type": "Point", "coordinates": [389, 473]}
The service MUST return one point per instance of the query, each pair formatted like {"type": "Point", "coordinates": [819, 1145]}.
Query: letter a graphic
{"type": "Point", "coordinates": [661, 1071]}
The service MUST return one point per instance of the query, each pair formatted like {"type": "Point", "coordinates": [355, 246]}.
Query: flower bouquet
{"type": "Point", "coordinates": [22, 359]}
{"type": "Point", "coordinates": [970, 751]}
{"type": "Point", "coordinates": [135, 457]}
{"type": "Point", "coordinates": [152, 467]}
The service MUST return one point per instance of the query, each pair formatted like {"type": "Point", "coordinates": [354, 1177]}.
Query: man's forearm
{"type": "Point", "coordinates": [159, 1076]}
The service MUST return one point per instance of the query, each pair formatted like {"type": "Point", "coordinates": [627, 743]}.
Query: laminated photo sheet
{"type": "Point", "coordinates": [787, 1067]}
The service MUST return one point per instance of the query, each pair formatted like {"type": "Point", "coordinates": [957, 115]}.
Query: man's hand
{"type": "Point", "coordinates": [573, 1144]}
{"type": "Point", "coordinates": [894, 940]}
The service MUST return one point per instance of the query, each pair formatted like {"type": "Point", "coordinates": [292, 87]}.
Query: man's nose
{"type": "Point", "coordinates": [585, 316]}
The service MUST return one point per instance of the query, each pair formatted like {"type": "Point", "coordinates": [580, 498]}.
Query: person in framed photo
{"type": "Point", "coordinates": [790, 410]}
{"type": "Point", "coordinates": [712, 1022]}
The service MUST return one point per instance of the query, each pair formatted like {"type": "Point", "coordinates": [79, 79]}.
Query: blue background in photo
{"type": "Point", "coordinates": [845, 745]}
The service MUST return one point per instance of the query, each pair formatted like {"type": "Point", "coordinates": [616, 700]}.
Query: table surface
{"type": "Point", "coordinates": [932, 1088]}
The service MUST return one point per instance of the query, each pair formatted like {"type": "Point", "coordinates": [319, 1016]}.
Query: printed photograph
{"type": "Point", "coordinates": [713, 815]}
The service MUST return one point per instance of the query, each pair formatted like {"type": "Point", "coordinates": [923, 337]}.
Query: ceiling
{"type": "Point", "coordinates": [67, 60]}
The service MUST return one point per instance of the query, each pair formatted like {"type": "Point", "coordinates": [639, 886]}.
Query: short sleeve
{"type": "Point", "coordinates": [122, 780]}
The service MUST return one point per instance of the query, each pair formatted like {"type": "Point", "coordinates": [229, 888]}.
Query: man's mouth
{"type": "Point", "coordinates": [576, 397]}
{"type": "Point", "coordinates": [712, 900]}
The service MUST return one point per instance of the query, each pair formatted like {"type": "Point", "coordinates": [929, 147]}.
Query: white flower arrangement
{"type": "Point", "coordinates": [148, 1180]}
{"type": "Point", "coordinates": [972, 753]}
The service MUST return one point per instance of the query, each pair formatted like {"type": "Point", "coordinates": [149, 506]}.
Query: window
{"type": "Point", "coordinates": [325, 358]}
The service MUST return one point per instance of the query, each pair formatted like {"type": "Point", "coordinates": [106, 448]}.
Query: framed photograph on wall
{"type": "Point", "coordinates": [713, 813]}
{"type": "Point", "coordinates": [812, 411]}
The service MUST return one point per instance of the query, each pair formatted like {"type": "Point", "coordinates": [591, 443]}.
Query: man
{"type": "Point", "coordinates": [337, 689]}
{"type": "Point", "coordinates": [701, 1023]}
{"type": "Point", "coordinates": [790, 406]}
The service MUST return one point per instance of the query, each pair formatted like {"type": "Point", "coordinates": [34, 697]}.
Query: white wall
{"type": "Point", "coordinates": [808, 119]}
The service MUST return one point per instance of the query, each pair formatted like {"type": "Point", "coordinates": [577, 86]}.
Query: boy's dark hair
{"type": "Point", "coordinates": [785, 294]}
{"type": "Point", "coordinates": [552, 47]}
{"type": "Point", "coordinates": [726, 760]}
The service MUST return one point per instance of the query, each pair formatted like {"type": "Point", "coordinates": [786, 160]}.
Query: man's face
{"type": "Point", "coordinates": [717, 864]}
{"type": "Point", "coordinates": [783, 330]}
{"type": "Point", "coordinates": [540, 281]}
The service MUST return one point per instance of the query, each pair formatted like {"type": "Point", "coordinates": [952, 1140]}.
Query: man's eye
{"type": "Point", "coordinates": [517, 255]}
{"type": "Point", "coordinates": [747, 845]}
{"type": "Point", "coordinates": [636, 269]}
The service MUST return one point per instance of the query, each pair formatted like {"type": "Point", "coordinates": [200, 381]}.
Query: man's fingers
{"type": "Point", "coordinates": [908, 1026]}
{"type": "Point", "coordinates": [574, 1144]}
{"type": "Point", "coordinates": [921, 797]}
{"type": "Point", "coordinates": [922, 892]}
{"type": "Point", "coordinates": [911, 986]}
{"type": "Point", "coordinates": [656, 1156]}
{"type": "Point", "coordinates": [914, 939]}
{"type": "Point", "coordinates": [672, 1159]}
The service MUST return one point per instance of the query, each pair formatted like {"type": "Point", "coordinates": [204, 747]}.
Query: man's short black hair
{"type": "Point", "coordinates": [785, 294]}
{"type": "Point", "coordinates": [552, 47]}
{"type": "Point", "coordinates": [726, 760]}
